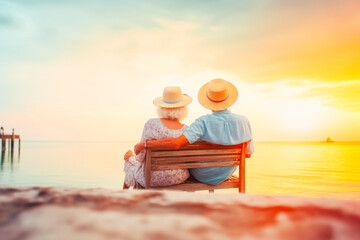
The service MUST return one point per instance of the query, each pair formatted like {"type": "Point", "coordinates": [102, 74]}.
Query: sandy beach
{"type": "Point", "coordinates": [71, 213]}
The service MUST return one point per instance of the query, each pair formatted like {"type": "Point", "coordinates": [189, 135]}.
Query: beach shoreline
{"type": "Point", "coordinates": [72, 213]}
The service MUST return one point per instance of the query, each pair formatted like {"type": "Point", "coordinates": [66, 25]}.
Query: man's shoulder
{"type": "Point", "coordinates": [203, 117]}
{"type": "Point", "coordinates": [229, 115]}
{"type": "Point", "coordinates": [200, 121]}
{"type": "Point", "coordinates": [239, 117]}
{"type": "Point", "coordinates": [232, 116]}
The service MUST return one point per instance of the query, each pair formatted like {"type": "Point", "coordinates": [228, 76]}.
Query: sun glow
{"type": "Point", "coordinates": [300, 116]}
{"type": "Point", "coordinates": [102, 69]}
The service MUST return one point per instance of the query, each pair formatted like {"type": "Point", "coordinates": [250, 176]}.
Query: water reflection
{"type": "Point", "coordinates": [68, 164]}
{"type": "Point", "coordinates": [305, 169]}
{"type": "Point", "coordinates": [2, 160]}
{"type": "Point", "coordinates": [10, 161]}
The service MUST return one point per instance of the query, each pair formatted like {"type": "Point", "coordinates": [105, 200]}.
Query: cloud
{"type": "Point", "coordinates": [7, 21]}
{"type": "Point", "coordinates": [111, 78]}
{"type": "Point", "coordinates": [74, 65]}
{"type": "Point", "coordinates": [345, 96]}
{"type": "Point", "coordinates": [10, 17]}
{"type": "Point", "coordinates": [286, 39]}
{"type": "Point", "coordinates": [261, 41]}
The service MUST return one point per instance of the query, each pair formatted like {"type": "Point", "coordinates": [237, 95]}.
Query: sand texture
{"type": "Point", "coordinates": [69, 213]}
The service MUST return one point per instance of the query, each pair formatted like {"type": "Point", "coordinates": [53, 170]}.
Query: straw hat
{"type": "Point", "coordinates": [217, 94]}
{"type": "Point", "coordinates": [172, 98]}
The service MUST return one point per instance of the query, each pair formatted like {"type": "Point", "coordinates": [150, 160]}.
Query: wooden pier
{"type": "Point", "coordinates": [11, 137]}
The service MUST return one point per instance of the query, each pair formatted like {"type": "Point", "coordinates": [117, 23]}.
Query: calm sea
{"type": "Point", "coordinates": [277, 168]}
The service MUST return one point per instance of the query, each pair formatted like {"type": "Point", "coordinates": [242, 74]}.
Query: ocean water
{"type": "Point", "coordinates": [315, 169]}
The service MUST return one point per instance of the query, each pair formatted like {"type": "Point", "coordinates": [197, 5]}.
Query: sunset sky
{"type": "Point", "coordinates": [89, 70]}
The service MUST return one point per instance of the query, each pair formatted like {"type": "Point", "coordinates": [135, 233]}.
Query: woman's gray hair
{"type": "Point", "coordinates": [173, 113]}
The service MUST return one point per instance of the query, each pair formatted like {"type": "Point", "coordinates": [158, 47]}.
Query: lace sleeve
{"type": "Point", "coordinates": [149, 130]}
{"type": "Point", "coordinates": [148, 133]}
{"type": "Point", "coordinates": [132, 160]}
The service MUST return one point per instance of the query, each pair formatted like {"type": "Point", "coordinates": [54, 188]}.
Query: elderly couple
{"type": "Point", "coordinates": [167, 132]}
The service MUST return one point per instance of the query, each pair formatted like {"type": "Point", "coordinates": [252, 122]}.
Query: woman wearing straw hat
{"type": "Point", "coordinates": [171, 109]}
{"type": "Point", "coordinates": [220, 127]}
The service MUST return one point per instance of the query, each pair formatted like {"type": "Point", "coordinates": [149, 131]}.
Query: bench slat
{"type": "Point", "coordinates": [193, 185]}
{"type": "Point", "coordinates": [189, 152]}
{"type": "Point", "coordinates": [205, 145]}
{"type": "Point", "coordinates": [183, 159]}
{"type": "Point", "coordinates": [194, 165]}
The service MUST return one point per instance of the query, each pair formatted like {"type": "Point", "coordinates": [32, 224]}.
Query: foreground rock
{"type": "Point", "coordinates": [67, 213]}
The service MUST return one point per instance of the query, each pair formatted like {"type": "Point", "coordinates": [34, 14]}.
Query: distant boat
{"type": "Point", "coordinates": [329, 140]}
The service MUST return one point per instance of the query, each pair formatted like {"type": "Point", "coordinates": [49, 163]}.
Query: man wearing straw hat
{"type": "Point", "coordinates": [221, 127]}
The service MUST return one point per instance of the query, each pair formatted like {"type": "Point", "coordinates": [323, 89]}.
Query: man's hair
{"type": "Point", "coordinates": [173, 113]}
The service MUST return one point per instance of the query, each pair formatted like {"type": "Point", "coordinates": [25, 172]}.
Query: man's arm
{"type": "Point", "coordinates": [166, 144]}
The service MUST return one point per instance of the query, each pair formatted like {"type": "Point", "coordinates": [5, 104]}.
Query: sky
{"type": "Point", "coordinates": [89, 70]}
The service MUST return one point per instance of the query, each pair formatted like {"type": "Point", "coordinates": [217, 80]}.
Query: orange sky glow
{"type": "Point", "coordinates": [70, 71]}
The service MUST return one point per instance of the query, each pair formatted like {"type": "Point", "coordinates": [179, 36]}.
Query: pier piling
{"type": "Point", "coordinates": [12, 140]}
{"type": "Point", "coordinates": [3, 144]}
{"type": "Point", "coordinates": [11, 137]}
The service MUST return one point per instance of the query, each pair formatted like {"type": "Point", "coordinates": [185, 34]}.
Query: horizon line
{"type": "Point", "coordinates": [104, 141]}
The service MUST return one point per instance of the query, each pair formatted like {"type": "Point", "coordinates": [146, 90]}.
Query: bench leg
{"type": "Point", "coordinates": [242, 184]}
{"type": "Point", "coordinates": [125, 186]}
{"type": "Point", "coordinates": [242, 176]}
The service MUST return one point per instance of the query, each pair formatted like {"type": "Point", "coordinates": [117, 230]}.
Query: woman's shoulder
{"type": "Point", "coordinates": [152, 122]}
{"type": "Point", "coordinates": [156, 123]}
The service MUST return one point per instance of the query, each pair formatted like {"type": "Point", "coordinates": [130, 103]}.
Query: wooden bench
{"type": "Point", "coordinates": [189, 156]}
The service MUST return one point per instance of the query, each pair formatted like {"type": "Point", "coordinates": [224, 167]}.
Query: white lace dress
{"type": "Point", "coordinates": [134, 168]}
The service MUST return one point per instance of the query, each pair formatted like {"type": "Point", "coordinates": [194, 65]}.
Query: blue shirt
{"type": "Point", "coordinates": [220, 127]}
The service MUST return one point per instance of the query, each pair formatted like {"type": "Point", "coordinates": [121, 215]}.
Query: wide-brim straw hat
{"type": "Point", "coordinates": [172, 98]}
{"type": "Point", "coordinates": [217, 95]}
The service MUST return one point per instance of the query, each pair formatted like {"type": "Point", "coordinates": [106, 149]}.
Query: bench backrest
{"type": "Point", "coordinates": [192, 155]}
